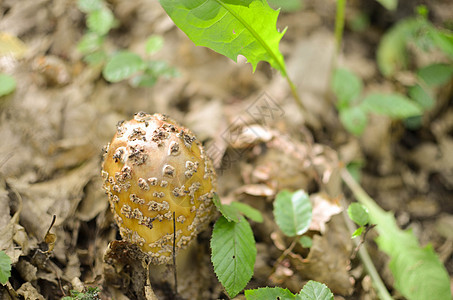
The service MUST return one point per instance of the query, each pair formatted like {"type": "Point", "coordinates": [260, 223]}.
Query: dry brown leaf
{"type": "Point", "coordinates": [323, 209]}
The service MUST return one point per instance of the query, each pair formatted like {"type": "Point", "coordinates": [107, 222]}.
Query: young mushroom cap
{"type": "Point", "coordinates": [153, 168]}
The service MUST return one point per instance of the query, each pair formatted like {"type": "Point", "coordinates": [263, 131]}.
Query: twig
{"type": "Point", "coordinates": [174, 255]}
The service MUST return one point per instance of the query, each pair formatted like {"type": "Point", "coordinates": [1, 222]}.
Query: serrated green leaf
{"type": "Point", "coordinates": [306, 241]}
{"type": "Point", "coordinates": [88, 6]}
{"type": "Point", "coordinates": [314, 290]}
{"type": "Point", "coordinates": [100, 21]}
{"type": "Point", "coordinates": [233, 253]}
{"type": "Point", "coordinates": [248, 211]}
{"type": "Point", "coordinates": [421, 96]}
{"type": "Point", "coordinates": [123, 65]}
{"type": "Point", "coordinates": [269, 293]}
{"type": "Point", "coordinates": [5, 267]}
{"type": "Point", "coordinates": [357, 232]}
{"type": "Point", "coordinates": [389, 4]}
{"type": "Point", "coordinates": [395, 105]}
{"type": "Point", "coordinates": [154, 44]}
{"type": "Point", "coordinates": [436, 74]}
{"type": "Point", "coordinates": [7, 84]}
{"type": "Point", "coordinates": [346, 87]}
{"type": "Point", "coordinates": [230, 213]}
{"type": "Point", "coordinates": [231, 28]}
{"type": "Point", "coordinates": [292, 212]}
{"type": "Point", "coordinates": [286, 5]}
{"type": "Point", "coordinates": [354, 119]}
{"type": "Point", "coordinates": [359, 214]}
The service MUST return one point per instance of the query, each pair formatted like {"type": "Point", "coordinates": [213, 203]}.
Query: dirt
{"type": "Point", "coordinates": [62, 113]}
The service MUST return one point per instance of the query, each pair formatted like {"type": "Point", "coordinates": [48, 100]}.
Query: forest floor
{"type": "Point", "coordinates": [54, 125]}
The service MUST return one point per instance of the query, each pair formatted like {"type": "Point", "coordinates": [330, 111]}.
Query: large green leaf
{"type": "Point", "coordinates": [292, 212]}
{"type": "Point", "coordinates": [417, 271]}
{"type": "Point", "coordinates": [231, 28]}
{"type": "Point", "coordinates": [233, 253]}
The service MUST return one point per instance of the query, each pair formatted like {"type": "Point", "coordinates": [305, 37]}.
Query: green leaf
{"type": "Point", "coordinates": [154, 44]}
{"type": "Point", "coordinates": [248, 211]}
{"type": "Point", "coordinates": [122, 65]}
{"type": "Point", "coordinates": [389, 4]}
{"type": "Point", "coordinates": [443, 40]}
{"type": "Point", "coordinates": [357, 232]}
{"type": "Point", "coordinates": [101, 21]}
{"type": "Point", "coordinates": [229, 212]}
{"type": "Point", "coordinates": [286, 5]}
{"type": "Point", "coordinates": [95, 58]}
{"type": "Point", "coordinates": [393, 105]}
{"type": "Point", "coordinates": [144, 80]}
{"type": "Point", "coordinates": [436, 74]}
{"type": "Point", "coordinates": [359, 214]}
{"type": "Point", "coordinates": [231, 28]}
{"type": "Point", "coordinates": [233, 254]}
{"type": "Point", "coordinates": [90, 43]}
{"type": "Point", "coordinates": [269, 293]}
{"type": "Point", "coordinates": [88, 6]}
{"type": "Point", "coordinates": [5, 267]}
{"type": "Point", "coordinates": [418, 273]}
{"type": "Point", "coordinates": [292, 212]}
{"type": "Point", "coordinates": [346, 86]}
{"type": "Point", "coordinates": [7, 84]}
{"type": "Point", "coordinates": [392, 54]}
{"type": "Point", "coordinates": [354, 119]}
{"type": "Point", "coordinates": [421, 96]}
{"type": "Point", "coordinates": [161, 69]}
{"type": "Point", "coordinates": [314, 290]}
{"type": "Point", "coordinates": [306, 241]}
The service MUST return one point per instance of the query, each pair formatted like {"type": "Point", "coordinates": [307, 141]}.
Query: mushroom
{"type": "Point", "coordinates": [155, 169]}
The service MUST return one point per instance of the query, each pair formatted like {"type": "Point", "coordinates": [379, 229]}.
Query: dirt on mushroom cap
{"type": "Point", "coordinates": [152, 168]}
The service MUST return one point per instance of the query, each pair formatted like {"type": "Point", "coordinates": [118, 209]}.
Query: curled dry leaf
{"type": "Point", "coordinates": [323, 209]}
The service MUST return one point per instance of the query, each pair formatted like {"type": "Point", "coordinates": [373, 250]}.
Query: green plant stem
{"type": "Point", "coordinates": [295, 94]}
{"type": "Point", "coordinates": [363, 197]}
{"type": "Point", "coordinates": [339, 25]}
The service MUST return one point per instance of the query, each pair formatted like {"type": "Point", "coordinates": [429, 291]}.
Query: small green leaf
{"type": "Point", "coordinates": [233, 253]}
{"type": "Point", "coordinates": [389, 4]}
{"type": "Point", "coordinates": [314, 290]}
{"type": "Point", "coordinates": [421, 97]}
{"type": "Point", "coordinates": [346, 86]}
{"type": "Point", "coordinates": [443, 40]}
{"type": "Point", "coordinates": [393, 105]}
{"type": "Point", "coordinates": [95, 58]}
{"type": "Point", "coordinates": [101, 21]}
{"type": "Point", "coordinates": [161, 69]}
{"type": "Point", "coordinates": [154, 44]}
{"type": "Point", "coordinates": [88, 6]}
{"type": "Point", "coordinates": [436, 74]}
{"type": "Point", "coordinates": [269, 293]}
{"type": "Point", "coordinates": [231, 28]}
{"type": "Point", "coordinates": [306, 241]}
{"type": "Point", "coordinates": [392, 54]}
{"type": "Point", "coordinates": [292, 212]}
{"type": "Point", "coordinates": [144, 80]}
{"type": "Point", "coordinates": [248, 211]}
{"type": "Point", "coordinates": [229, 212]}
{"type": "Point", "coordinates": [357, 232]}
{"type": "Point", "coordinates": [359, 214]}
{"type": "Point", "coordinates": [7, 84]}
{"type": "Point", "coordinates": [5, 267]}
{"type": "Point", "coordinates": [354, 119]}
{"type": "Point", "coordinates": [90, 43]}
{"type": "Point", "coordinates": [123, 65]}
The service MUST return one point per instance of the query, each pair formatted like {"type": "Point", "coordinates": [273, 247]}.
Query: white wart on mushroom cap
{"type": "Point", "coordinates": [152, 168]}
